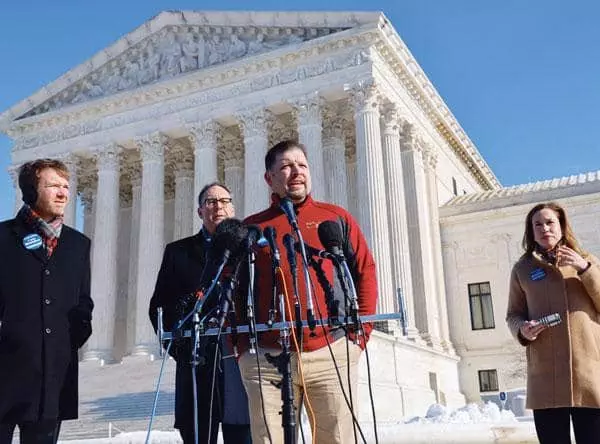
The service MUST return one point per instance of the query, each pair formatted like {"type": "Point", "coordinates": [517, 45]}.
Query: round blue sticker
{"type": "Point", "coordinates": [32, 241]}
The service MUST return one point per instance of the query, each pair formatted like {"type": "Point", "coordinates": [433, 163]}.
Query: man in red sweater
{"type": "Point", "coordinates": [316, 381]}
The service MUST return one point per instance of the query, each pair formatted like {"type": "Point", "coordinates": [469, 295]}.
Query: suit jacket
{"type": "Point", "coordinates": [180, 275]}
{"type": "Point", "coordinates": [46, 312]}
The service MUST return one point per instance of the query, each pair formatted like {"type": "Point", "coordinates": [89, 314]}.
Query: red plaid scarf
{"type": "Point", "coordinates": [50, 231]}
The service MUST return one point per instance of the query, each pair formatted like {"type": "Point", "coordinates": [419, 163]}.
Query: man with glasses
{"type": "Point", "coordinates": [178, 280]}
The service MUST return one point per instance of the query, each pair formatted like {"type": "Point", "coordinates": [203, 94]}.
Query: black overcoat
{"type": "Point", "coordinates": [180, 275]}
{"type": "Point", "coordinates": [46, 311]}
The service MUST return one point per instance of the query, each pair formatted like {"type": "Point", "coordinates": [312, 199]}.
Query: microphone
{"type": "Point", "coordinates": [271, 235]}
{"type": "Point", "coordinates": [227, 247]}
{"type": "Point", "coordinates": [227, 293]}
{"type": "Point", "coordinates": [312, 251]}
{"type": "Point", "coordinates": [256, 237]}
{"type": "Point", "coordinates": [287, 207]}
{"type": "Point", "coordinates": [288, 242]}
{"type": "Point", "coordinates": [228, 240]}
{"type": "Point", "coordinates": [330, 235]}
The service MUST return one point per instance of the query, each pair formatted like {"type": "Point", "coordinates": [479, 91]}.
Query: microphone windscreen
{"type": "Point", "coordinates": [254, 234]}
{"type": "Point", "coordinates": [330, 234]}
{"type": "Point", "coordinates": [229, 235]}
{"type": "Point", "coordinates": [287, 207]}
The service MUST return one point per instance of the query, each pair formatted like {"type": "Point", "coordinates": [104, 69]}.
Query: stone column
{"type": "Point", "coordinates": [371, 189]}
{"type": "Point", "coordinates": [254, 125]}
{"type": "Point", "coordinates": [185, 202]}
{"type": "Point", "coordinates": [400, 255]}
{"type": "Point", "coordinates": [104, 256]}
{"type": "Point", "coordinates": [431, 159]}
{"type": "Point", "coordinates": [458, 302]}
{"type": "Point", "coordinates": [352, 187]}
{"type": "Point", "coordinates": [151, 235]}
{"type": "Point", "coordinates": [13, 171]}
{"type": "Point", "coordinates": [71, 211]}
{"type": "Point", "coordinates": [308, 111]}
{"type": "Point", "coordinates": [204, 141]}
{"type": "Point", "coordinates": [420, 237]}
{"type": "Point", "coordinates": [234, 173]}
{"type": "Point", "coordinates": [334, 158]}
{"type": "Point", "coordinates": [135, 177]}
{"type": "Point", "coordinates": [88, 202]}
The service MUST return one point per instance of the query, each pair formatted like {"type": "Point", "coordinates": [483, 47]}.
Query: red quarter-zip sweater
{"type": "Point", "coordinates": [310, 214]}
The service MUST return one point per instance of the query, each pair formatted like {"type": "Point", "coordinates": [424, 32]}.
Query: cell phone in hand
{"type": "Point", "coordinates": [550, 320]}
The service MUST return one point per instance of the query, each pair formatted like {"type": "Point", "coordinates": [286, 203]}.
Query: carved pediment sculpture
{"type": "Point", "coordinates": [172, 51]}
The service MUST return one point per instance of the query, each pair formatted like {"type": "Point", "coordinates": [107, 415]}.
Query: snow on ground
{"type": "Point", "coordinates": [472, 424]}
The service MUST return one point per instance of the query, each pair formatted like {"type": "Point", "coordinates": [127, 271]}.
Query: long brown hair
{"type": "Point", "coordinates": [568, 238]}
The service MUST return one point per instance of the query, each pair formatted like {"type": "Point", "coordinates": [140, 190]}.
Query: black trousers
{"type": "Point", "coordinates": [553, 426]}
{"type": "Point", "coordinates": [232, 434]}
{"type": "Point", "coordinates": [43, 432]}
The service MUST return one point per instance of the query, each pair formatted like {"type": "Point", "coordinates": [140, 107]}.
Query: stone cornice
{"type": "Point", "coordinates": [527, 194]}
{"type": "Point", "coordinates": [397, 55]}
{"type": "Point", "coordinates": [220, 22]}
{"type": "Point", "coordinates": [279, 67]}
{"type": "Point", "coordinates": [311, 58]}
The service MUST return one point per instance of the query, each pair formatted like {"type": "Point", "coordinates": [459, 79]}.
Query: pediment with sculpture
{"type": "Point", "coordinates": [174, 51]}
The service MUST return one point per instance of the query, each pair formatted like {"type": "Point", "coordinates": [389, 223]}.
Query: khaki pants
{"type": "Point", "coordinates": [321, 386]}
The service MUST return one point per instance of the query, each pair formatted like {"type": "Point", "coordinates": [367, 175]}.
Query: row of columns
{"type": "Point", "coordinates": [390, 185]}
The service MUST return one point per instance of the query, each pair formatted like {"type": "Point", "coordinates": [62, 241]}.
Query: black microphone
{"type": "Point", "coordinates": [330, 235]}
{"type": "Point", "coordinates": [227, 293]}
{"type": "Point", "coordinates": [332, 238]}
{"type": "Point", "coordinates": [228, 240]}
{"type": "Point", "coordinates": [271, 234]}
{"type": "Point", "coordinates": [288, 242]}
{"type": "Point", "coordinates": [287, 207]}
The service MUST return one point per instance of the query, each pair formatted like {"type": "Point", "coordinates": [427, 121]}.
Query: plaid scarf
{"type": "Point", "coordinates": [50, 231]}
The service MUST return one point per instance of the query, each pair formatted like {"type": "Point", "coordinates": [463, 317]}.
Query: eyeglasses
{"type": "Point", "coordinates": [212, 201]}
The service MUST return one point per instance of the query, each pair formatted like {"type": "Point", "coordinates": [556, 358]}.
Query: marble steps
{"type": "Point", "coordinates": [118, 398]}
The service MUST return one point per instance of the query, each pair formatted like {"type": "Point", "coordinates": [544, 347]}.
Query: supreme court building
{"type": "Point", "coordinates": [192, 97]}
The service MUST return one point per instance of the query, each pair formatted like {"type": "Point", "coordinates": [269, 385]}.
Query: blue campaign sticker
{"type": "Point", "coordinates": [537, 274]}
{"type": "Point", "coordinates": [32, 241]}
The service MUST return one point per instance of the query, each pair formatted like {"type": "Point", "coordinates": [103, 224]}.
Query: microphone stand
{"type": "Point", "coordinates": [310, 317]}
{"type": "Point", "coordinates": [288, 242]}
{"type": "Point", "coordinates": [283, 364]}
{"type": "Point", "coordinates": [250, 303]}
{"type": "Point", "coordinates": [287, 207]}
{"type": "Point", "coordinates": [347, 283]}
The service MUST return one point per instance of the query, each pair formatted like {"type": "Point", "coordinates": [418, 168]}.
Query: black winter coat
{"type": "Point", "coordinates": [180, 275]}
{"type": "Point", "coordinates": [45, 314]}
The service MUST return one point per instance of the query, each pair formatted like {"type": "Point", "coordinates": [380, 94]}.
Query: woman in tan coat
{"type": "Point", "coordinates": [563, 361]}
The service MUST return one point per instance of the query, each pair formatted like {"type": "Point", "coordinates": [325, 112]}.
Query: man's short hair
{"type": "Point", "coordinates": [206, 187]}
{"type": "Point", "coordinates": [279, 148]}
{"type": "Point", "coordinates": [29, 176]}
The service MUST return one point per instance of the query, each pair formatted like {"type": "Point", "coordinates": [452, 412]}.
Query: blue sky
{"type": "Point", "coordinates": [521, 76]}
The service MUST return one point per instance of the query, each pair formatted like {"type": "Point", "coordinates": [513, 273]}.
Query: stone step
{"type": "Point", "coordinates": [117, 398]}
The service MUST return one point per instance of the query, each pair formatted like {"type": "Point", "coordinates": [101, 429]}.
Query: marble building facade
{"type": "Point", "coordinates": [192, 97]}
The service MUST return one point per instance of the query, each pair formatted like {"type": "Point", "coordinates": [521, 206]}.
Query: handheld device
{"type": "Point", "coordinates": [550, 320]}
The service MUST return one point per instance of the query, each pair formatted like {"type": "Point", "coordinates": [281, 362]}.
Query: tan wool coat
{"type": "Point", "coordinates": [563, 363]}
